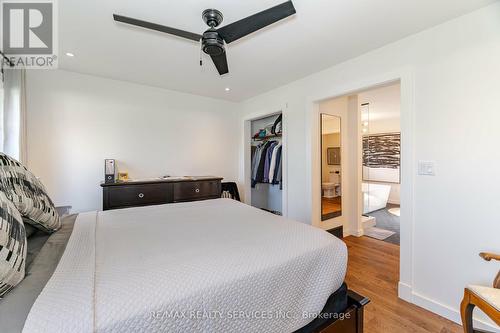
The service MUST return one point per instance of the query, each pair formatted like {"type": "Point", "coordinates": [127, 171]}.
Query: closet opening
{"type": "Point", "coordinates": [265, 138]}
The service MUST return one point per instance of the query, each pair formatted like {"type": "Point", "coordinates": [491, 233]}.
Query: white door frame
{"type": "Point", "coordinates": [406, 78]}
{"type": "Point", "coordinates": [246, 158]}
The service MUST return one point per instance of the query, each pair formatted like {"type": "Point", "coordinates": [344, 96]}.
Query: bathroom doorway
{"type": "Point", "coordinates": [343, 101]}
{"type": "Point", "coordinates": [360, 162]}
{"type": "Point", "coordinates": [380, 114]}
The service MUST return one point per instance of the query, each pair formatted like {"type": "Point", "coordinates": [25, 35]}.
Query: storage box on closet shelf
{"type": "Point", "coordinates": [271, 131]}
{"type": "Point", "coordinates": [265, 134]}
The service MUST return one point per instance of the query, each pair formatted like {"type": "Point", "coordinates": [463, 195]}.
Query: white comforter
{"type": "Point", "coordinates": [210, 266]}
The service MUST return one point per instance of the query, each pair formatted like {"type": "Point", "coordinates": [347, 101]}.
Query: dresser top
{"type": "Point", "coordinates": [162, 180]}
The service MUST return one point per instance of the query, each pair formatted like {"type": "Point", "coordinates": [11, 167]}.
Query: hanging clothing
{"type": "Point", "coordinates": [266, 159]}
{"type": "Point", "coordinates": [258, 164]}
{"type": "Point", "coordinates": [255, 160]}
{"type": "Point", "coordinates": [272, 166]}
{"type": "Point", "coordinates": [267, 163]}
{"type": "Point", "coordinates": [279, 175]}
{"type": "Point", "coordinates": [275, 179]}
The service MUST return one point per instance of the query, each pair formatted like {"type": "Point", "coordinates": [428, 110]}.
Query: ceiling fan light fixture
{"type": "Point", "coordinates": [212, 43]}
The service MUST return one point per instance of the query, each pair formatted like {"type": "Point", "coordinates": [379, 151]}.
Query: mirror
{"type": "Point", "coordinates": [331, 168]}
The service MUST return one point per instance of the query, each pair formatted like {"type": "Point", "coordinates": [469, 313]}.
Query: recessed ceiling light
{"type": "Point", "coordinates": [69, 54]}
{"type": "Point", "coordinates": [227, 89]}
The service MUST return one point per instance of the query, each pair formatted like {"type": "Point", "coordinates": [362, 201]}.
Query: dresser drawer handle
{"type": "Point", "coordinates": [197, 190]}
{"type": "Point", "coordinates": [141, 195]}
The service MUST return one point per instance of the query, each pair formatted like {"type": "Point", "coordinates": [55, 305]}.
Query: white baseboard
{"type": "Point", "coordinates": [406, 293]}
{"type": "Point", "coordinates": [356, 233]}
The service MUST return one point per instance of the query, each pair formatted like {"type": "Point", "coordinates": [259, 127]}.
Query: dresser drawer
{"type": "Point", "coordinates": [189, 191]}
{"type": "Point", "coordinates": [139, 195]}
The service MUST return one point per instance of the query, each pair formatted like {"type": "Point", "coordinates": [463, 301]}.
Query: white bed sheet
{"type": "Point", "coordinates": [209, 266]}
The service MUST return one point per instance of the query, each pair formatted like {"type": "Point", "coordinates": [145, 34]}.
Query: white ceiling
{"type": "Point", "coordinates": [322, 34]}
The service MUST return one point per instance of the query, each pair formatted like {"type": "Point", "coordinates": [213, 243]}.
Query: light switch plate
{"type": "Point", "coordinates": [427, 168]}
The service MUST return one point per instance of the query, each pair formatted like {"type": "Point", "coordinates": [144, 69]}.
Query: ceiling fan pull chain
{"type": "Point", "coordinates": [201, 59]}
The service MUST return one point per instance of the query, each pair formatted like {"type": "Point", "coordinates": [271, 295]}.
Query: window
{"type": "Point", "coordinates": [1, 112]}
{"type": "Point", "coordinates": [12, 113]}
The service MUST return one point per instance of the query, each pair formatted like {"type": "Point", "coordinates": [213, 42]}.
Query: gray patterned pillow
{"type": "Point", "coordinates": [13, 245]}
{"type": "Point", "coordinates": [28, 194]}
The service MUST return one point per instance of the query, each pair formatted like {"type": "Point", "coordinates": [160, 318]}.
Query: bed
{"type": "Point", "coordinates": [207, 266]}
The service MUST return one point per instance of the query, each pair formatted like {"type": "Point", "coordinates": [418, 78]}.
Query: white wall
{"type": "Point", "coordinates": [76, 121]}
{"type": "Point", "coordinates": [454, 69]}
{"type": "Point", "coordinates": [389, 125]}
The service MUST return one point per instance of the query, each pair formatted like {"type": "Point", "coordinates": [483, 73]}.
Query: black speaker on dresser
{"type": "Point", "coordinates": [110, 171]}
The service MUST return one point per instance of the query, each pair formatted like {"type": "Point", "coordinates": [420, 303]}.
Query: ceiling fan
{"type": "Point", "coordinates": [212, 40]}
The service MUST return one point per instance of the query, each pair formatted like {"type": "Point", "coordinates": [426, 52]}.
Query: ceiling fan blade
{"type": "Point", "coordinates": [220, 62]}
{"type": "Point", "coordinates": [246, 26]}
{"type": "Point", "coordinates": [157, 27]}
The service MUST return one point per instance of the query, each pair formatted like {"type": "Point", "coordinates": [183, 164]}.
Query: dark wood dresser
{"type": "Point", "coordinates": [159, 191]}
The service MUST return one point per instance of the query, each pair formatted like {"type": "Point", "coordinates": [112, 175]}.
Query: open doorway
{"type": "Point", "coordinates": [380, 112]}
{"type": "Point", "coordinates": [345, 102]}
{"type": "Point", "coordinates": [360, 162]}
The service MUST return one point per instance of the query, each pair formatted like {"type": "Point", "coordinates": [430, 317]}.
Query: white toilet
{"type": "Point", "coordinates": [332, 188]}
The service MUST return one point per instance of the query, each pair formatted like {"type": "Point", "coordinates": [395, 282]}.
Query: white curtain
{"type": "Point", "coordinates": [13, 141]}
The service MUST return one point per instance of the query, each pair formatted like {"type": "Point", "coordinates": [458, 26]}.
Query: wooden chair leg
{"type": "Point", "coordinates": [466, 309]}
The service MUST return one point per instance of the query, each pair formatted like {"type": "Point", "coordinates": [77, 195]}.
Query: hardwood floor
{"type": "Point", "coordinates": [331, 205]}
{"type": "Point", "coordinates": [373, 271]}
